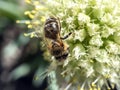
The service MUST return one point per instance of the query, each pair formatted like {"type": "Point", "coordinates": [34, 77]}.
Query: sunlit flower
{"type": "Point", "coordinates": [28, 1]}
{"type": "Point", "coordinates": [96, 40]}
{"type": "Point", "coordinates": [83, 19]}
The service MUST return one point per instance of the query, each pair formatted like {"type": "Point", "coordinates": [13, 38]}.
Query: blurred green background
{"type": "Point", "coordinates": [20, 57]}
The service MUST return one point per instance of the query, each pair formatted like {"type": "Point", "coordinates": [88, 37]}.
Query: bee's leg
{"type": "Point", "coordinates": [65, 37]}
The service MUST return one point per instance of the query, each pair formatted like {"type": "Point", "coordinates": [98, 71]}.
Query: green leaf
{"type": "Point", "coordinates": [10, 9]}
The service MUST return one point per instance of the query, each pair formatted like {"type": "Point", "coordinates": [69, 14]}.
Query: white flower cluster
{"type": "Point", "coordinates": [95, 40]}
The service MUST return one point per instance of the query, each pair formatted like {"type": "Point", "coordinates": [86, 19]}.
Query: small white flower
{"type": "Point", "coordinates": [82, 6]}
{"type": "Point", "coordinates": [92, 28]}
{"type": "Point", "coordinates": [90, 71]}
{"type": "Point", "coordinates": [102, 56]}
{"type": "Point", "coordinates": [107, 19]}
{"type": "Point", "coordinates": [96, 40]}
{"type": "Point", "coordinates": [53, 2]}
{"type": "Point", "coordinates": [78, 51]}
{"type": "Point", "coordinates": [61, 14]}
{"type": "Point", "coordinates": [92, 50]}
{"type": "Point", "coordinates": [83, 18]}
{"type": "Point", "coordinates": [69, 20]}
{"type": "Point", "coordinates": [107, 31]}
{"type": "Point", "coordinates": [71, 4]}
{"type": "Point", "coordinates": [80, 35]}
{"type": "Point", "coordinates": [112, 48]}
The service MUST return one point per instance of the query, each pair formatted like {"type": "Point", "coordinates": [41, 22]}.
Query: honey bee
{"type": "Point", "coordinates": [57, 47]}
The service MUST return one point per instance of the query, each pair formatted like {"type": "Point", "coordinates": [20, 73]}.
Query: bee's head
{"type": "Point", "coordinates": [51, 28]}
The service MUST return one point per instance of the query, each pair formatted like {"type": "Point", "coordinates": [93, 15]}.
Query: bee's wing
{"type": "Point", "coordinates": [40, 74]}
{"type": "Point", "coordinates": [52, 81]}
{"type": "Point", "coordinates": [38, 79]}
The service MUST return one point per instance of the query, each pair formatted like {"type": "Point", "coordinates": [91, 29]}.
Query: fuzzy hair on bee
{"type": "Point", "coordinates": [59, 52]}
{"type": "Point", "coordinates": [57, 47]}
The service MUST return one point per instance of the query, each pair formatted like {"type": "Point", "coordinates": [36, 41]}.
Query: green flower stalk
{"type": "Point", "coordinates": [94, 43]}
